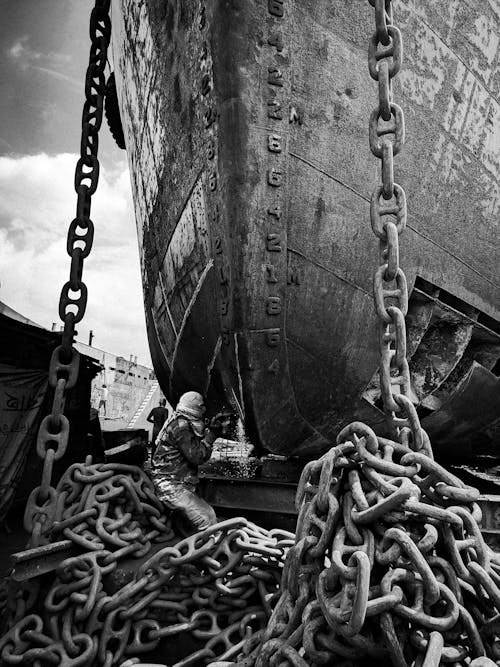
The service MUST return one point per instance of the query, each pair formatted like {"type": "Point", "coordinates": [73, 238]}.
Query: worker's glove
{"type": "Point", "coordinates": [216, 426]}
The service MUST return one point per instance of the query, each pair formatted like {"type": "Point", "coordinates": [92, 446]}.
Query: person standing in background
{"type": "Point", "coordinates": [103, 399]}
{"type": "Point", "coordinates": [158, 416]}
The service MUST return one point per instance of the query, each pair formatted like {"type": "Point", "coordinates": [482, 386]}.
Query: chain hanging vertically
{"type": "Point", "coordinates": [53, 434]}
{"type": "Point", "coordinates": [388, 221]}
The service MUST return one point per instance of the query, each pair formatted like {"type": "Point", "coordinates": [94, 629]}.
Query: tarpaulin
{"type": "Point", "coordinates": [22, 394]}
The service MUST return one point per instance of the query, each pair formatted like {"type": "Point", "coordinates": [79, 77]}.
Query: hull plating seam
{"type": "Point", "coordinates": [410, 215]}
{"type": "Point", "coordinates": [310, 354]}
{"type": "Point", "coordinates": [189, 308]}
{"type": "Point", "coordinates": [165, 301]}
{"type": "Point", "coordinates": [183, 207]}
{"type": "Point", "coordinates": [292, 391]}
{"type": "Point", "coordinates": [326, 173]}
{"type": "Point", "coordinates": [449, 252]}
{"type": "Point", "coordinates": [325, 268]}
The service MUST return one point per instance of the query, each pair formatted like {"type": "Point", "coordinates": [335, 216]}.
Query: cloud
{"type": "Point", "coordinates": [50, 63]}
{"type": "Point", "coordinates": [37, 203]}
{"type": "Point", "coordinates": [17, 50]}
{"type": "Point", "coordinates": [24, 54]}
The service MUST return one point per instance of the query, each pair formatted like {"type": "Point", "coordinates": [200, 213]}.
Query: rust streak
{"type": "Point", "coordinates": [211, 365]}
{"type": "Point", "coordinates": [160, 342]}
{"type": "Point", "coordinates": [474, 74]}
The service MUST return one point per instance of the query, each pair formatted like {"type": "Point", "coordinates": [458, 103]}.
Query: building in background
{"type": "Point", "coordinates": [25, 398]}
{"type": "Point", "coordinates": [132, 389]}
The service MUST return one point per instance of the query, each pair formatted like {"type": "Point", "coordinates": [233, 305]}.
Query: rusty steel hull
{"type": "Point", "coordinates": [246, 126]}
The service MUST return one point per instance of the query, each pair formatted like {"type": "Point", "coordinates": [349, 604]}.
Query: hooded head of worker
{"type": "Point", "coordinates": [192, 406]}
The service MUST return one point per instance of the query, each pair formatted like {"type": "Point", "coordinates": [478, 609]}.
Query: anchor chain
{"type": "Point", "coordinates": [388, 220]}
{"type": "Point", "coordinates": [388, 559]}
{"type": "Point", "coordinates": [388, 562]}
{"type": "Point", "coordinates": [52, 439]}
{"type": "Point", "coordinates": [218, 585]}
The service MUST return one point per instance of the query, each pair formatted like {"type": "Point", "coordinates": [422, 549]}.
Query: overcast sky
{"type": "Point", "coordinates": [44, 48]}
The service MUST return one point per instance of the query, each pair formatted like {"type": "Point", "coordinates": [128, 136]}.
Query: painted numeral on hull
{"type": "Point", "coordinates": [274, 143]}
{"type": "Point", "coordinates": [273, 305]}
{"type": "Point", "coordinates": [275, 211]}
{"type": "Point", "coordinates": [274, 110]}
{"type": "Point", "coordinates": [274, 242]}
{"type": "Point", "coordinates": [273, 337]}
{"type": "Point", "coordinates": [274, 367]}
{"type": "Point", "coordinates": [293, 277]}
{"type": "Point", "coordinates": [275, 178]}
{"type": "Point", "coordinates": [274, 76]}
{"type": "Point", "coordinates": [276, 7]}
{"type": "Point", "coordinates": [271, 276]}
{"type": "Point", "coordinates": [210, 117]}
{"type": "Point", "coordinates": [276, 40]}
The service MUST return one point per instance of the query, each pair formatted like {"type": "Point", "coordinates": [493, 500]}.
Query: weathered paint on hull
{"type": "Point", "coordinates": [246, 125]}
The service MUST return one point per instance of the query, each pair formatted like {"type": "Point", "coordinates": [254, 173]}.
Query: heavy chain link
{"type": "Point", "coordinates": [53, 433]}
{"type": "Point", "coordinates": [219, 585]}
{"type": "Point", "coordinates": [388, 556]}
{"type": "Point", "coordinates": [388, 221]}
{"type": "Point", "coordinates": [388, 564]}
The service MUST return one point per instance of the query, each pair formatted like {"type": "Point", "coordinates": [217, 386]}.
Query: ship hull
{"type": "Point", "coordinates": [246, 126]}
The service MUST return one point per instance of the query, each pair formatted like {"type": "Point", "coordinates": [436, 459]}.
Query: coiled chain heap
{"type": "Point", "coordinates": [388, 563]}
{"type": "Point", "coordinates": [218, 585]}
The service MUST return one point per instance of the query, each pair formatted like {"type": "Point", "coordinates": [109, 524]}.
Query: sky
{"type": "Point", "coordinates": [44, 47]}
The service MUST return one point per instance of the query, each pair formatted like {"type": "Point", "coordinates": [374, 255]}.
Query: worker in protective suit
{"type": "Point", "coordinates": [184, 443]}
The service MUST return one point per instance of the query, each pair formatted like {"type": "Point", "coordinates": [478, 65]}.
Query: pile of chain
{"type": "Point", "coordinates": [218, 585]}
{"type": "Point", "coordinates": [388, 563]}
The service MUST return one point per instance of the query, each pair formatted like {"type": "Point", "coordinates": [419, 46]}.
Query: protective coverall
{"type": "Point", "coordinates": [181, 448]}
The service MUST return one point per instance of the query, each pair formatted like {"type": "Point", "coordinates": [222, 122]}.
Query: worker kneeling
{"type": "Point", "coordinates": [184, 443]}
